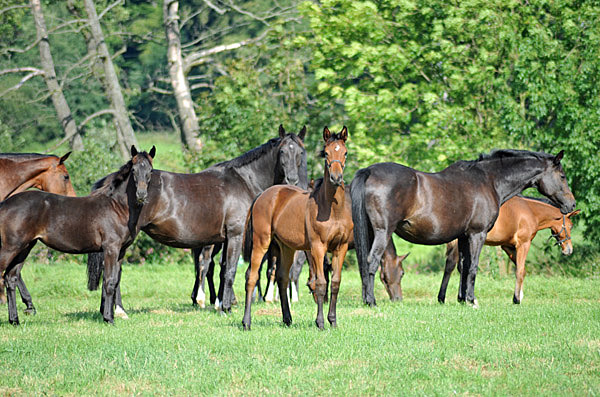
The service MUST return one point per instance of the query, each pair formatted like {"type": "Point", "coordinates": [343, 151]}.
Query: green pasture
{"type": "Point", "coordinates": [549, 345]}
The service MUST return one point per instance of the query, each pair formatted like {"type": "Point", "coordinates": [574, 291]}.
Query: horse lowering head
{"type": "Point", "coordinates": [56, 179]}
{"type": "Point", "coordinates": [292, 155]}
{"type": "Point", "coordinates": [552, 183]}
{"type": "Point", "coordinates": [335, 154]}
{"type": "Point", "coordinates": [391, 274]}
{"type": "Point", "coordinates": [141, 169]}
{"type": "Point", "coordinates": [561, 231]}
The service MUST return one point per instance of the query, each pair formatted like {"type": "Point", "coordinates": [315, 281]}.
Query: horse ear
{"type": "Point", "coordinates": [573, 213]}
{"type": "Point", "coordinates": [326, 134]}
{"type": "Point", "coordinates": [63, 158]}
{"type": "Point", "coordinates": [134, 151]}
{"type": "Point", "coordinates": [403, 257]}
{"type": "Point", "coordinates": [302, 133]}
{"type": "Point", "coordinates": [152, 151]}
{"type": "Point", "coordinates": [344, 133]}
{"type": "Point", "coordinates": [281, 131]}
{"type": "Point", "coordinates": [559, 157]}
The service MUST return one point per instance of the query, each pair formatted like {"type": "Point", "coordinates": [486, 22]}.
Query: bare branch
{"type": "Point", "coordinates": [110, 7]}
{"type": "Point", "coordinates": [34, 72]}
{"type": "Point", "coordinates": [21, 70]}
{"type": "Point", "coordinates": [218, 10]}
{"type": "Point", "coordinates": [6, 9]}
{"type": "Point", "coordinates": [248, 13]}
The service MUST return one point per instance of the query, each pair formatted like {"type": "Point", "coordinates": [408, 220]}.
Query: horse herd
{"type": "Point", "coordinates": [259, 204]}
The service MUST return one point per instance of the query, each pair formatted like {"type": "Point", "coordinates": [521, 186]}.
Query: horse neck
{"type": "Point", "coordinates": [260, 174]}
{"type": "Point", "coordinates": [512, 175]}
{"type": "Point", "coordinates": [546, 215]}
{"type": "Point", "coordinates": [27, 174]}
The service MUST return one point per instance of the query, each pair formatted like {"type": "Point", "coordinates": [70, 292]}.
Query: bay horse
{"type": "Point", "coordinates": [460, 202]}
{"type": "Point", "coordinates": [103, 221]}
{"type": "Point", "coordinates": [210, 207]}
{"type": "Point", "coordinates": [519, 220]}
{"type": "Point", "coordinates": [22, 171]}
{"type": "Point", "coordinates": [314, 222]}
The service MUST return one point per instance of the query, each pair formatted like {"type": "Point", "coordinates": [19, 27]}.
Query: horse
{"type": "Point", "coordinates": [209, 207]}
{"type": "Point", "coordinates": [519, 220]}
{"type": "Point", "coordinates": [22, 171]}
{"type": "Point", "coordinates": [460, 202]}
{"type": "Point", "coordinates": [314, 222]}
{"type": "Point", "coordinates": [102, 221]}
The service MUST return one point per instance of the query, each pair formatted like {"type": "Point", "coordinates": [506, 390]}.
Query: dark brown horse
{"type": "Point", "coordinates": [22, 171]}
{"type": "Point", "coordinates": [518, 222]}
{"type": "Point", "coordinates": [461, 202]}
{"type": "Point", "coordinates": [209, 207]}
{"type": "Point", "coordinates": [103, 221]}
{"type": "Point", "coordinates": [315, 222]}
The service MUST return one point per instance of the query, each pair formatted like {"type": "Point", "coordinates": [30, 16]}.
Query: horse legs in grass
{"type": "Point", "coordinates": [283, 280]}
{"type": "Point", "coordinates": [316, 254]}
{"type": "Point", "coordinates": [380, 242]}
{"type": "Point", "coordinates": [452, 258]}
{"type": "Point", "coordinates": [258, 251]}
{"type": "Point", "coordinates": [517, 256]}
{"type": "Point", "coordinates": [110, 284]}
{"type": "Point", "coordinates": [336, 263]}
{"type": "Point", "coordinates": [470, 248]}
{"type": "Point", "coordinates": [11, 262]}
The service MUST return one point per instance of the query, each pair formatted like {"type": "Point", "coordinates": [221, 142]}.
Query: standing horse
{"type": "Point", "coordinates": [518, 222]}
{"type": "Point", "coordinates": [195, 210]}
{"type": "Point", "coordinates": [21, 171]}
{"type": "Point", "coordinates": [461, 202]}
{"type": "Point", "coordinates": [314, 222]}
{"type": "Point", "coordinates": [103, 221]}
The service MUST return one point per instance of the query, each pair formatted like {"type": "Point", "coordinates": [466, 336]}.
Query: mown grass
{"type": "Point", "coordinates": [548, 345]}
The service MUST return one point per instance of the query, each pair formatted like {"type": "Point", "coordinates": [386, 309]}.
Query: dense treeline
{"type": "Point", "coordinates": [421, 82]}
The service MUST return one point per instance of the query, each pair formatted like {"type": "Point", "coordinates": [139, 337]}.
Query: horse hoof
{"type": "Point", "coordinates": [30, 311]}
{"type": "Point", "coordinates": [320, 326]}
{"type": "Point", "coordinates": [119, 312]}
{"type": "Point", "coordinates": [516, 301]}
{"type": "Point", "coordinates": [474, 304]}
{"type": "Point", "coordinates": [14, 322]}
{"type": "Point", "coordinates": [246, 327]}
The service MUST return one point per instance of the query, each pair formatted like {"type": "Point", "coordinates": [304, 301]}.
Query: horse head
{"type": "Point", "coordinates": [292, 155]}
{"type": "Point", "coordinates": [552, 183]}
{"type": "Point", "coordinates": [561, 231]}
{"type": "Point", "coordinates": [141, 169]}
{"type": "Point", "coordinates": [391, 274]}
{"type": "Point", "coordinates": [56, 178]}
{"type": "Point", "coordinates": [335, 154]}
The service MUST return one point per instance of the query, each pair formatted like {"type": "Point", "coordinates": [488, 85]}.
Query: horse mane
{"type": "Point", "coordinates": [256, 153]}
{"type": "Point", "coordinates": [24, 156]}
{"type": "Point", "coordinates": [540, 199]}
{"type": "Point", "coordinates": [110, 182]}
{"type": "Point", "coordinates": [512, 153]}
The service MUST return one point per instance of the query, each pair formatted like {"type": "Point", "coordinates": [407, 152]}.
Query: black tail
{"type": "Point", "coordinates": [363, 235]}
{"type": "Point", "coordinates": [248, 235]}
{"type": "Point", "coordinates": [95, 266]}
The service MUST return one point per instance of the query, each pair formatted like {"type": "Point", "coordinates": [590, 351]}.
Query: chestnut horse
{"type": "Point", "coordinates": [518, 222]}
{"type": "Point", "coordinates": [461, 202]}
{"type": "Point", "coordinates": [314, 222]}
{"type": "Point", "coordinates": [22, 171]}
{"type": "Point", "coordinates": [105, 221]}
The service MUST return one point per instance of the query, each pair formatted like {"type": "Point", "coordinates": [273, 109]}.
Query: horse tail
{"type": "Point", "coordinates": [363, 235]}
{"type": "Point", "coordinates": [248, 234]}
{"type": "Point", "coordinates": [95, 265]}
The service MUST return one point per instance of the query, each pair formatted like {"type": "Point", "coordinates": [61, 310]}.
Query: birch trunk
{"type": "Point", "coordinates": [125, 134]}
{"type": "Point", "coordinates": [58, 99]}
{"type": "Point", "coordinates": [181, 89]}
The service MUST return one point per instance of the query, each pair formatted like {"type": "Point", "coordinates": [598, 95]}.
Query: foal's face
{"type": "Point", "coordinates": [391, 276]}
{"type": "Point", "coordinates": [57, 180]}
{"type": "Point", "coordinates": [553, 184]}
{"type": "Point", "coordinates": [141, 171]}
{"type": "Point", "coordinates": [561, 231]}
{"type": "Point", "coordinates": [291, 152]}
{"type": "Point", "coordinates": [335, 154]}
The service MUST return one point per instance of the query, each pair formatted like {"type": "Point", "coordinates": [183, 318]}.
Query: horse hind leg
{"type": "Point", "coordinates": [11, 277]}
{"type": "Point", "coordinates": [283, 280]}
{"type": "Point", "coordinates": [520, 272]}
{"type": "Point", "coordinates": [336, 278]}
{"type": "Point", "coordinates": [260, 245]}
{"type": "Point", "coordinates": [380, 242]}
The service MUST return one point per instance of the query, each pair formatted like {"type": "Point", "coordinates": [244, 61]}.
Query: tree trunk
{"type": "Point", "coordinates": [58, 99]}
{"type": "Point", "coordinates": [125, 134]}
{"type": "Point", "coordinates": [181, 89]}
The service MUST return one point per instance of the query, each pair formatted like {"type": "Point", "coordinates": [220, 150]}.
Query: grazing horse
{"type": "Point", "coordinates": [314, 222]}
{"type": "Point", "coordinates": [103, 221]}
{"type": "Point", "coordinates": [209, 207]}
{"type": "Point", "coordinates": [460, 202]}
{"type": "Point", "coordinates": [518, 222]}
{"type": "Point", "coordinates": [21, 171]}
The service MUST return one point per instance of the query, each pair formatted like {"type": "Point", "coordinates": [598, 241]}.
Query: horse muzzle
{"type": "Point", "coordinates": [336, 179]}
{"type": "Point", "coordinates": [292, 180]}
{"type": "Point", "coordinates": [141, 197]}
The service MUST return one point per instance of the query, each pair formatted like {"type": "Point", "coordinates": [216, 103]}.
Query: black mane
{"type": "Point", "coordinates": [257, 152]}
{"type": "Point", "coordinates": [24, 156]}
{"type": "Point", "coordinates": [540, 199]}
{"type": "Point", "coordinates": [111, 181]}
{"type": "Point", "coordinates": [512, 153]}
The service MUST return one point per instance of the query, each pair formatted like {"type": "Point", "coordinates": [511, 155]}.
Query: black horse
{"type": "Point", "coordinates": [104, 221]}
{"type": "Point", "coordinates": [195, 210]}
{"type": "Point", "coordinates": [460, 202]}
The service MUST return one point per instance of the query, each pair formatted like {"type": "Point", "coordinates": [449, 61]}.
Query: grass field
{"type": "Point", "coordinates": [549, 345]}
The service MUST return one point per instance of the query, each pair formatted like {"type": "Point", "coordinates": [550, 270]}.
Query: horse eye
{"type": "Point", "coordinates": [66, 177]}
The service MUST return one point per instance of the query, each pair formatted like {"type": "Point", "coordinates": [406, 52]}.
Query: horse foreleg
{"type": "Point", "coordinates": [337, 262]}
{"type": "Point", "coordinates": [451, 261]}
{"type": "Point", "coordinates": [25, 295]}
{"type": "Point", "coordinates": [295, 271]}
{"type": "Point", "coordinates": [197, 299]}
{"type": "Point", "coordinates": [234, 248]}
{"type": "Point", "coordinates": [470, 249]}
{"type": "Point", "coordinates": [286, 258]}
{"type": "Point", "coordinates": [317, 253]}
{"type": "Point", "coordinates": [522, 252]}
{"type": "Point", "coordinates": [380, 242]}
{"type": "Point", "coordinates": [119, 310]}
{"type": "Point", "coordinates": [110, 283]}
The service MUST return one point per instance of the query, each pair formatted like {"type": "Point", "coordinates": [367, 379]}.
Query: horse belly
{"type": "Point", "coordinates": [425, 231]}
{"type": "Point", "coordinates": [289, 223]}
